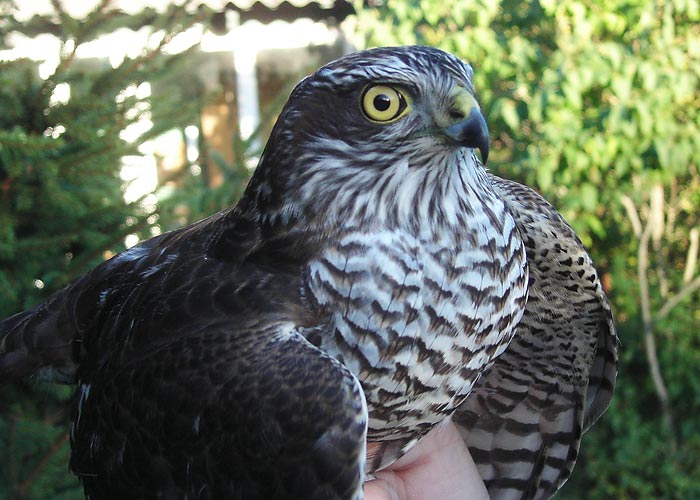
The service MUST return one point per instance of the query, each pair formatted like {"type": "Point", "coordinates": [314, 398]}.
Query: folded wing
{"type": "Point", "coordinates": [524, 420]}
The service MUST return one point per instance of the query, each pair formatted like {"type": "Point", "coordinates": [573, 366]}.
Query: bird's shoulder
{"type": "Point", "coordinates": [222, 270]}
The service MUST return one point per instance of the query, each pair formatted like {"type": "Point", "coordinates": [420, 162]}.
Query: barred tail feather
{"type": "Point", "coordinates": [523, 439]}
{"type": "Point", "coordinates": [601, 382]}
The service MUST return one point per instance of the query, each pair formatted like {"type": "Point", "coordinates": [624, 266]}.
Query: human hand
{"type": "Point", "coordinates": [439, 467]}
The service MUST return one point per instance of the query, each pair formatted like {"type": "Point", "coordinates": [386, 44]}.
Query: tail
{"type": "Point", "coordinates": [39, 342]}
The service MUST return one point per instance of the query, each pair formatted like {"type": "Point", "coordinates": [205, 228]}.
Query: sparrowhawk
{"type": "Point", "coordinates": [373, 281]}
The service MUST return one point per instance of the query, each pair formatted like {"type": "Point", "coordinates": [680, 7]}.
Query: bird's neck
{"type": "Point", "coordinates": [405, 195]}
{"type": "Point", "coordinates": [452, 197]}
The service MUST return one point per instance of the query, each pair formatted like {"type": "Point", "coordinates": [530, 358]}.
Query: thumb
{"type": "Point", "coordinates": [384, 488]}
{"type": "Point", "coordinates": [439, 466]}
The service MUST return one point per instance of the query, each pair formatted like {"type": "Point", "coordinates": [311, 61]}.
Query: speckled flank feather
{"type": "Point", "coordinates": [524, 419]}
{"type": "Point", "coordinates": [355, 296]}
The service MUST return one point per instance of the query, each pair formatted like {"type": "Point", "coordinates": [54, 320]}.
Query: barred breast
{"type": "Point", "coordinates": [417, 315]}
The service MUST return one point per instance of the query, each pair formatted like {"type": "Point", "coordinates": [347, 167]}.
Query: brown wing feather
{"type": "Point", "coordinates": [193, 377]}
{"type": "Point", "coordinates": [524, 420]}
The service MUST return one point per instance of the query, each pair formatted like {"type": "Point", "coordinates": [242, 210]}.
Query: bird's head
{"type": "Point", "coordinates": [396, 116]}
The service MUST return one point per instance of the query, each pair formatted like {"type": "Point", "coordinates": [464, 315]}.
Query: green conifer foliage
{"type": "Point", "coordinates": [62, 207]}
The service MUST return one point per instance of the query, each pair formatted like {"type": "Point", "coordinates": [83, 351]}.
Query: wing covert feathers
{"type": "Point", "coordinates": [294, 430]}
{"type": "Point", "coordinates": [524, 419]}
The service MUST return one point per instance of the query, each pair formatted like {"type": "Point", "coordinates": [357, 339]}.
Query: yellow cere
{"type": "Point", "coordinates": [383, 104]}
{"type": "Point", "coordinates": [464, 101]}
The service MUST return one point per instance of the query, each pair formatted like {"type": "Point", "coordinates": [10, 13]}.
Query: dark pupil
{"type": "Point", "coordinates": [382, 102]}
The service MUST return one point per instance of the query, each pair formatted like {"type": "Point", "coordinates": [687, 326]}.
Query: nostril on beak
{"type": "Point", "coordinates": [457, 115]}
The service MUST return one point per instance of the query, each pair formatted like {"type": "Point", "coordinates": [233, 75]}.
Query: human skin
{"type": "Point", "coordinates": [439, 467]}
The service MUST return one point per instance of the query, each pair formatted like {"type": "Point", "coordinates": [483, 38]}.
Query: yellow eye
{"type": "Point", "coordinates": [383, 104]}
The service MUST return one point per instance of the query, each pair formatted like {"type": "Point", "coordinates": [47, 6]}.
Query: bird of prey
{"type": "Point", "coordinates": [373, 281]}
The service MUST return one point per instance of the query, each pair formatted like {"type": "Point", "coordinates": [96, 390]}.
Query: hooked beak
{"type": "Point", "coordinates": [472, 131]}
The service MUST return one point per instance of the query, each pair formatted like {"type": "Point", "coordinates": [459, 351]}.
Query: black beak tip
{"type": "Point", "coordinates": [484, 150]}
{"type": "Point", "coordinates": [472, 132]}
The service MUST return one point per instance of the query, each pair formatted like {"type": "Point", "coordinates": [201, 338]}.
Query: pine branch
{"type": "Point", "coordinates": [12, 449]}
{"type": "Point", "coordinates": [21, 488]}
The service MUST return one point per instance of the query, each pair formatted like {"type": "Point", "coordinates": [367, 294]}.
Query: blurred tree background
{"type": "Point", "coordinates": [596, 104]}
